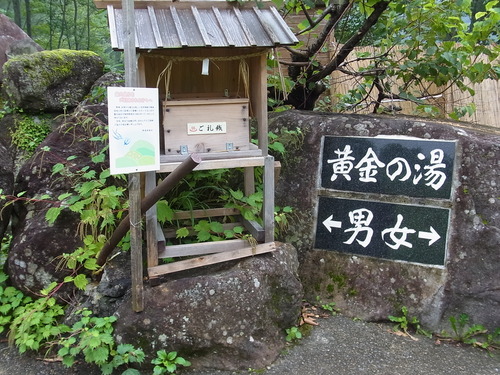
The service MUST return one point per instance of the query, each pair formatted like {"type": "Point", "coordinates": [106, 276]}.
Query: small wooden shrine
{"type": "Point", "coordinates": [208, 60]}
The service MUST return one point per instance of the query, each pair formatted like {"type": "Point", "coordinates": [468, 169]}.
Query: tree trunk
{"type": "Point", "coordinates": [27, 7]}
{"type": "Point", "coordinates": [17, 12]}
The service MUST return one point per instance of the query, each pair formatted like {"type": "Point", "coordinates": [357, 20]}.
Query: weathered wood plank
{"type": "Point", "coordinates": [210, 259]}
{"type": "Point", "coordinates": [269, 199]}
{"type": "Point", "coordinates": [151, 224]}
{"type": "Point", "coordinates": [210, 212]}
{"type": "Point", "coordinates": [202, 248]}
{"type": "Point", "coordinates": [172, 232]}
{"type": "Point", "coordinates": [218, 163]}
{"type": "Point", "coordinates": [255, 229]}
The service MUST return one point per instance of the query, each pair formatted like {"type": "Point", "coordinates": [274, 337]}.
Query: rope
{"type": "Point", "coordinates": [243, 73]}
{"type": "Point", "coordinates": [165, 73]}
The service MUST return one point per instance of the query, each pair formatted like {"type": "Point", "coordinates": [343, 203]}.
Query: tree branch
{"type": "Point", "coordinates": [336, 13]}
{"type": "Point", "coordinates": [348, 47]}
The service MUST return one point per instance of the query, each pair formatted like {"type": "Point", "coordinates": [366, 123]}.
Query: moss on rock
{"type": "Point", "coordinates": [51, 80]}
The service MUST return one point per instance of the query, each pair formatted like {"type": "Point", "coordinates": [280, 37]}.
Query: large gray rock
{"type": "Point", "coordinates": [13, 41]}
{"type": "Point", "coordinates": [232, 316]}
{"type": "Point", "coordinates": [7, 157]}
{"type": "Point", "coordinates": [51, 81]}
{"type": "Point", "coordinates": [372, 288]}
{"type": "Point", "coordinates": [37, 245]}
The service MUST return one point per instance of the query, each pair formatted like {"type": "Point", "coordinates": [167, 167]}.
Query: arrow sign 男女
{"type": "Point", "coordinates": [384, 230]}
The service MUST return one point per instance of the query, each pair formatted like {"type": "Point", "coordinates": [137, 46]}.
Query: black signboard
{"type": "Point", "coordinates": [383, 230]}
{"type": "Point", "coordinates": [396, 166]}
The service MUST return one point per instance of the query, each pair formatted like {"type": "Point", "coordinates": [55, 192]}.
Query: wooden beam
{"type": "Point", "coordinates": [255, 229]}
{"type": "Point", "coordinates": [134, 179]}
{"type": "Point", "coordinates": [202, 248]}
{"type": "Point", "coordinates": [269, 199]}
{"type": "Point", "coordinates": [211, 259]}
{"type": "Point", "coordinates": [172, 232]}
{"type": "Point", "coordinates": [151, 224]}
{"type": "Point", "coordinates": [217, 164]}
{"type": "Point", "coordinates": [209, 212]}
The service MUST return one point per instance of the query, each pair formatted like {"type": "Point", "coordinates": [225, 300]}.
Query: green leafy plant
{"type": "Point", "coordinates": [406, 323]}
{"type": "Point", "coordinates": [92, 337]}
{"type": "Point", "coordinates": [327, 306]}
{"type": "Point", "coordinates": [472, 334]}
{"type": "Point", "coordinates": [465, 332]}
{"type": "Point", "coordinates": [30, 131]}
{"type": "Point", "coordinates": [293, 334]}
{"type": "Point", "coordinates": [34, 324]}
{"type": "Point", "coordinates": [168, 362]}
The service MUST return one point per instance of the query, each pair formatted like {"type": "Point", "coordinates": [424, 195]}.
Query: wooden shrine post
{"type": "Point", "coordinates": [134, 179]}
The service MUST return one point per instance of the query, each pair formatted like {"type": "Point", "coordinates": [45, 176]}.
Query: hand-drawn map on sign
{"type": "Point", "coordinates": [396, 166]}
{"type": "Point", "coordinates": [134, 129]}
{"type": "Point", "coordinates": [384, 230]}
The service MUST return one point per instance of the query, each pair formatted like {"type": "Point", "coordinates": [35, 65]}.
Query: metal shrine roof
{"type": "Point", "coordinates": [201, 24]}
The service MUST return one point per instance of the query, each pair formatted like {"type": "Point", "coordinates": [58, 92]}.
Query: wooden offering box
{"type": "Point", "coordinates": [205, 126]}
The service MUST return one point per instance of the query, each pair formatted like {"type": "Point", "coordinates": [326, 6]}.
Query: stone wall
{"type": "Point", "coordinates": [370, 287]}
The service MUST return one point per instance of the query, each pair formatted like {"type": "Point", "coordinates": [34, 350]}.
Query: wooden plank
{"type": "Point", "coordinates": [217, 164]}
{"type": "Point", "coordinates": [134, 180]}
{"type": "Point", "coordinates": [244, 27]}
{"type": "Point", "coordinates": [249, 180]}
{"type": "Point", "coordinates": [201, 27]}
{"type": "Point", "coordinates": [210, 259]}
{"type": "Point", "coordinates": [151, 223]}
{"type": "Point", "coordinates": [269, 31]}
{"type": "Point", "coordinates": [178, 26]}
{"type": "Point", "coordinates": [208, 101]}
{"type": "Point", "coordinates": [255, 229]}
{"type": "Point", "coordinates": [210, 212]}
{"type": "Point", "coordinates": [204, 248]}
{"type": "Point", "coordinates": [155, 26]}
{"type": "Point", "coordinates": [286, 30]}
{"type": "Point", "coordinates": [258, 81]}
{"type": "Point", "coordinates": [269, 199]}
{"type": "Point", "coordinates": [223, 27]}
{"type": "Point", "coordinates": [112, 26]}
{"type": "Point", "coordinates": [172, 232]}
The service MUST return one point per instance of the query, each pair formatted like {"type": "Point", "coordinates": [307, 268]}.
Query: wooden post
{"type": "Point", "coordinates": [134, 179]}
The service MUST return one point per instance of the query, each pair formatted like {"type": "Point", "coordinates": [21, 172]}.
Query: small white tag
{"type": "Point", "coordinates": [204, 68]}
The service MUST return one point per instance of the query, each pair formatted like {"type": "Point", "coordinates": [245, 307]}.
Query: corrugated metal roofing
{"type": "Point", "coordinates": [194, 26]}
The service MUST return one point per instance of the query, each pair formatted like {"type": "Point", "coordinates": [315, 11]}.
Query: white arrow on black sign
{"type": "Point", "coordinates": [329, 223]}
{"type": "Point", "coordinates": [432, 236]}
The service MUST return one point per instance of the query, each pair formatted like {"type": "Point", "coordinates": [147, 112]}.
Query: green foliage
{"type": "Point", "coordinates": [472, 334]}
{"type": "Point", "coordinates": [207, 189]}
{"type": "Point", "coordinates": [420, 48]}
{"type": "Point", "coordinates": [98, 202]}
{"type": "Point", "coordinates": [34, 324]}
{"type": "Point", "coordinates": [293, 334]}
{"type": "Point", "coordinates": [463, 331]}
{"type": "Point", "coordinates": [168, 362]}
{"type": "Point", "coordinates": [327, 306]}
{"type": "Point", "coordinates": [30, 131]}
{"type": "Point", "coordinates": [92, 337]}
{"type": "Point", "coordinates": [406, 323]}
